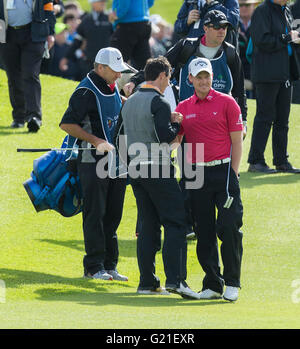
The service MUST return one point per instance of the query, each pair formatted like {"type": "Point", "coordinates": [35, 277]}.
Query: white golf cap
{"type": "Point", "coordinates": [198, 65]}
{"type": "Point", "coordinates": [112, 57]}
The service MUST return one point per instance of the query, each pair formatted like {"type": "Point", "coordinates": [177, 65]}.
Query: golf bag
{"type": "Point", "coordinates": [54, 182]}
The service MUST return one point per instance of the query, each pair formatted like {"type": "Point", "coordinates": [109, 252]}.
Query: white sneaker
{"type": "Point", "coordinates": [157, 291]}
{"type": "Point", "coordinates": [117, 276]}
{"type": "Point", "coordinates": [184, 291]}
{"type": "Point", "coordinates": [209, 294]}
{"type": "Point", "coordinates": [231, 293]}
{"type": "Point", "coordinates": [101, 274]}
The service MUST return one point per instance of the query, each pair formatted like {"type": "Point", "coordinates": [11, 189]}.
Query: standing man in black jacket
{"type": "Point", "coordinates": [95, 31]}
{"type": "Point", "coordinates": [275, 65]}
{"type": "Point", "coordinates": [227, 66]}
{"type": "Point", "coordinates": [25, 27]}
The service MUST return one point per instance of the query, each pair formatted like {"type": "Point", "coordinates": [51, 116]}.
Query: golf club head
{"type": "Point", "coordinates": [228, 202]}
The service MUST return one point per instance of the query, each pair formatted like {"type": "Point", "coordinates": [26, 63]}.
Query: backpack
{"type": "Point", "coordinates": [54, 182]}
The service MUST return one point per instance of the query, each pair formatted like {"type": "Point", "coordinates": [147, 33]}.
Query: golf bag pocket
{"type": "Point", "coordinates": [54, 184]}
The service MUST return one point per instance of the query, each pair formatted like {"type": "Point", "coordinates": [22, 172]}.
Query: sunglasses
{"type": "Point", "coordinates": [245, 5]}
{"type": "Point", "coordinates": [218, 26]}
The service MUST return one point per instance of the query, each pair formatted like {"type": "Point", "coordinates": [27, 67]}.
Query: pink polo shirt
{"type": "Point", "coordinates": [209, 121]}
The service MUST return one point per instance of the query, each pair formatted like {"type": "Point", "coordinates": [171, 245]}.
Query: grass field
{"type": "Point", "coordinates": [41, 253]}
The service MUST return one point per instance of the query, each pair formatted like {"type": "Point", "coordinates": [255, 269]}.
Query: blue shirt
{"type": "Point", "coordinates": [129, 11]}
{"type": "Point", "coordinates": [21, 14]}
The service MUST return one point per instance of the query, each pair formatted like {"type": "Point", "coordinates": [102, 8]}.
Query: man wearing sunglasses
{"type": "Point", "coordinates": [226, 63]}
{"type": "Point", "coordinates": [228, 71]}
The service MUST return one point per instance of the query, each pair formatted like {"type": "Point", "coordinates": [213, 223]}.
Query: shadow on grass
{"type": "Point", "coordinates": [49, 288]}
{"type": "Point", "coordinates": [16, 279]}
{"type": "Point", "coordinates": [127, 248]}
{"type": "Point", "coordinates": [125, 299]}
{"type": "Point", "coordinates": [250, 180]}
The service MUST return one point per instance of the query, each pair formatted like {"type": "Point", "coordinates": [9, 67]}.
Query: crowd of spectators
{"type": "Point", "coordinates": [79, 35]}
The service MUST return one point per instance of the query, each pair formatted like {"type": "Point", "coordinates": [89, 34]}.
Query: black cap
{"type": "Point", "coordinates": [215, 17]}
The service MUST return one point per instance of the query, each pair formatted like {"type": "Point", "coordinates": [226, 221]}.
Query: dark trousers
{"type": "Point", "coordinates": [159, 202]}
{"type": "Point", "coordinates": [273, 102]}
{"type": "Point", "coordinates": [132, 39]}
{"type": "Point", "coordinates": [225, 225]}
{"type": "Point", "coordinates": [22, 60]}
{"type": "Point", "coordinates": [181, 157]}
{"type": "Point", "coordinates": [102, 212]}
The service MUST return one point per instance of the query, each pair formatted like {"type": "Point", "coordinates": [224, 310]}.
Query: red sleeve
{"type": "Point", "coordinates": [234, 116]}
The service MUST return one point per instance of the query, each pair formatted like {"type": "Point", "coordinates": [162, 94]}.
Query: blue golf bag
{"type": "Point", "coordinates": [54, 182]}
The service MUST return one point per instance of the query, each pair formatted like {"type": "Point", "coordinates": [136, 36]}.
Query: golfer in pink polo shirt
{"type": "Point", "coordinates": [214, 120]}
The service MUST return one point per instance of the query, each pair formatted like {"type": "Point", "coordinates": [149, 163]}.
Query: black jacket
{"type": "Point", "coordinates": [177, 59]}
{"type": "Point", "coordinates": [43, 20]}
{"type": "Point", "coordinates": [271, 62]}
{"type": "Point", "coordinates": [180, 53]}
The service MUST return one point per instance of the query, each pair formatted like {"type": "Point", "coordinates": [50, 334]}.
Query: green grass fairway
{"type": "Point", "coordinates": [41, 253]}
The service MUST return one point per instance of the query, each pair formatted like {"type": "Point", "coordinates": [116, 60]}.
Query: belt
{"type": "Point", "coordinates": [213, 163]}
{"type": "Point", "coordinates": [16, 27]}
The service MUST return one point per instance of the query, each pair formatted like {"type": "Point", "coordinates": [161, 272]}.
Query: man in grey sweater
{"type": "Point", "coordinates": [150, 128]}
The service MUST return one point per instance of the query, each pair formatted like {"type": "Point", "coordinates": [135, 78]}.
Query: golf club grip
{"type": "Point", "coordinates": [32, 150]}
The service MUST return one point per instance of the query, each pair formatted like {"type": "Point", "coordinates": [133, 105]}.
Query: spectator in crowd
{"type": "Point", "coordinates": [72, 22]}
{"type": "Point", "coordinates": [23, 35]}
{"type": "Point", "coordinates": [160, 41]}
{"type": "Point", "coordinates": [226, 63]}
{"type": "Point", "coordinates": [274, 65]}
{"type": "Point", "coordinates": [59, 50]}
{"type": "Point", "coordinates": [190, 17]}
{"type": "Point", "coordinates": [247, 8]}
{"type": "Point", "coordinates": [74, 8]}
{"type": "Point", "coordinates": [94, 32]}
{"type": "Point", "coordinates": [91, 117]}
{"type": "Point", "coordinates": [132, 30]}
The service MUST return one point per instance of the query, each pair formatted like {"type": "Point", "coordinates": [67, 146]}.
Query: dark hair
{"type": "Point", "coordinates": [155, 66]}
{"type": "Point", "coordinates": [68, 17]}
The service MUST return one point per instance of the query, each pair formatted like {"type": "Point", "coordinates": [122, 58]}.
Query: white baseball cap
{"type": "Point", "coordinates": [113, 58]}
{"type": "Point", "coordinates": [200, 64]}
